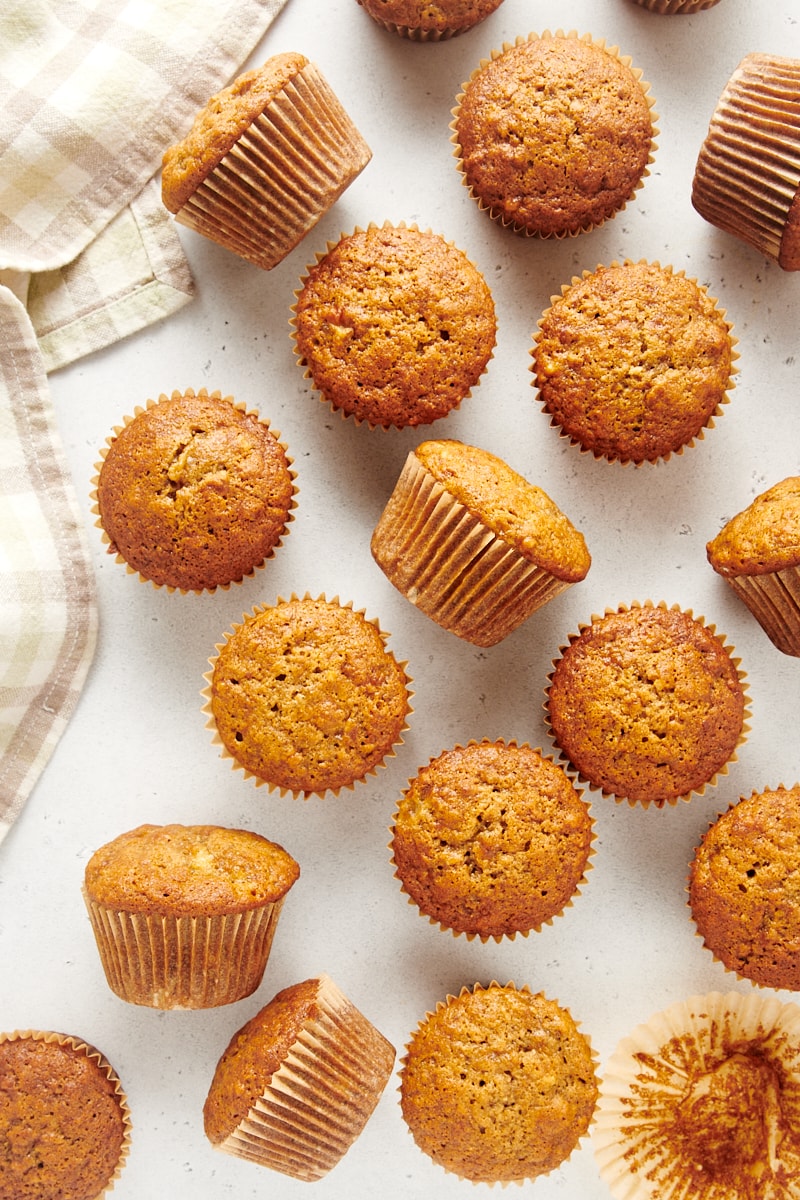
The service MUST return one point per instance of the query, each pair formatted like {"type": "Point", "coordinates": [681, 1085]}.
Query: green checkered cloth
{"type": "Point", "coordinates": [91, 94]}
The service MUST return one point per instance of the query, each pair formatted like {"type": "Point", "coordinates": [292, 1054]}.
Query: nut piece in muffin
{"type": "Point", "coordinates": [474, 545]}
{"type": "Point", "coordinates": [757, 553]}
{"type": "Point", "coordinates": [184, 915]}
{"type": "Point", "coordinates": [703, 1101]}
{"type": "Point", "coordinates": [298, 1083]}
{"type": "Point", "coordinates": [633, 361]}
{"type": "Point", "coordinates": [554, 133]}
{"type": "Point", "coordinates": [265, 158]}
{"type": "Point", "coordinates": [491, 839]}
{"type": "Point", "coordinates": [64, 1118]}
{"type": "Point", "coordinates": [423, 21]}
{"type": "Point", "coordinates": [305, 696]}
{"type": "Point", "coordinates": [744, 888]}
{"type": "Point", "coordinates": [498, 1085]}
{"type": "Point", "coordinates": [394, 325]}
{"type": "Point", "coordinates": [193, 492]}
{"type": "Point", "coordinates": [647, 704]}
{"type": "Point", "coordinates": [747, 176]}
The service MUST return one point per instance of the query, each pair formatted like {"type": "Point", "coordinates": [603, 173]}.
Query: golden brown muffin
{"type": "Point", "coordinates": [703, 1101]}
{"type": "Point", "coordinates": [744, 888]}
{"type": "Point", "coordinates": [64, 1119]}
{"type": "Point", "coordinates": [633, 361]}
{"type": "Point", "coordinates": [757, 553]}
{"type": "Point", "coordinates": [184, 915]}
{"type": "Point", "coordinates": [193, 492]}
{"type": "Point", "coordinates": [423, 21]}
{"type": "Point", "coordinates": [491, 839]}
{"type": "Point", "coordinates": [747, 175]}
{"type": "Point", "coordinates": [305, 696]}
{"type": "Point", "coordinates": [394, 325]}
{"type": "Point", "coordinates": [472, 544]}
{"type": "Point", "coordinates": [264, 159]}
{"type": "Point", "coordinates": [554, 133]}
{"type": "Point", "coordinates": [647, 704]}
{"type": "Point", "coordinates": [498, 1085]}
{"type": "Point", "coordinates": [298, 1083]}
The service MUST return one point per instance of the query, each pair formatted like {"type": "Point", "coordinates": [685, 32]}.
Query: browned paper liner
{"type": "Point", "coordinates": [676, 6]}
{"type": "Point", "coordinates": [774, 600]}
{"type": "Point", "coordinates": [287, 169]}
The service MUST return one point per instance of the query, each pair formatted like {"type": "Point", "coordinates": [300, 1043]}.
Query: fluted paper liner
{"type": "Point", "coordinates": [91, 1052]}
{"type": "Point", "coordinates": [187, 962]}
{"type": "Point", "coordinates": [451, 566]}
{"type": "Point", "coordinates": [321, 1097]}
{"type": "Point", "coordinates": [669, 1062]}
{"type": "Point", "coordinates": [676, 6]}
{"type": "Point", "coordinates": [281, 175]}
{"type": "Point", "coordinates": [747, 176]}
{"type": "Point", "coordinates": [774, 600]}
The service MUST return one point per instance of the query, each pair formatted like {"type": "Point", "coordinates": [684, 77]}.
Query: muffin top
{"type": "Point", "coordinates": [498, 1085]}
{"type": "Point", "coordinates": [491, 839]}
{"type": "Point", "coordinates": [764, 537]}
{"type": "Point", "coordinates": [553, 134]}
{"type": "Point", "coordinates": [632, 361]}
{"type": "Point", "coordinates": [517, 511]}
{"type": "Point", "coordinates": [444, 16]}
{"type": "Point", "coordinates": [220, 123]}
{"type": "Point", "coordinates": [394, 325]}
{"type": "Point", "coordinates": [194, 493]}
{"type": "Point", "coordinates": [189, 870]}
{"type": "Point", "coordinates": [306, 697]}
{"type": "Point", "coordinates": [647, 704]}
{"type": "Point", "coordinates": [63, 1121]}
{"type": "Point", "coordinates": [744, 888]}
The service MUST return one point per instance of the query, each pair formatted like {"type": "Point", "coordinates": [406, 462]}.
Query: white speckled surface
{"type": "Point", "coordinates": [138, 750]}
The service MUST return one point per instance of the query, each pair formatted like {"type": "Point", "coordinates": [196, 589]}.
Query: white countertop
{"type": "Point", "coordinates": [137, 748]}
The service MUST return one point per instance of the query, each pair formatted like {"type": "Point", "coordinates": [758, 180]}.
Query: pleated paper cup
{"type": "Point", "coordinates": [774, 600]}
{"type": "Point", "coordinates": [673, 7]}
{"type": "Point", "coordinates": [281, 175]}
{"type": "Point", "coordinates": [747, 176]}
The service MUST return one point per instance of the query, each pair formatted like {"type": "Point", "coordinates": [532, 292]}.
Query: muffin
{"type": "Point", "coordinates": [264, 160]}
{"type": "Point", "coordinates": [184, 915]}
{"type": "Point", "coordinates": [193, 492]}
{"type": "Point", "coordinates": [298, 1083]}
{"type": "Point", "coordinates": [424, 22]}
{"type": "Point", "coordinates": [491, 839]}
{"type": "Point", "coordinates": [633, 361]}
{"type": "Point", "coordinates": [747, 175]}
{"type": "Point", "coordinates": [394, 326]}
{"type": "Point", "coordinates": [64, 1119]}
{"type": "Point", "coordinates": [647, 704]}
{"type": "Point", "coordinates": [744, 888]}
{"type": "Point", "coordinates": [304, 696]}
{"type": "Point", "coordinates": [673, 7]}
{"type": "Point", "coordinates": [703, 1101]}
{"type": "Point", "coordinates": [472, 544]}
{"type": "Point", "coordinates": [554, 133]}
{"type": "Point", "coordinates": [498, 1085]}
{"type": "Point", "coordinates": [757, 553]}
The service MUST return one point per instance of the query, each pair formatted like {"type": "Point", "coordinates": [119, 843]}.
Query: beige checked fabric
{"type": "Point", "coordinates": [91, 94]}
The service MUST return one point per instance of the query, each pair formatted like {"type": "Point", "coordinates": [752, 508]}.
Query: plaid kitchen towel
{"type": "Point", "coordinates": [91, 94]}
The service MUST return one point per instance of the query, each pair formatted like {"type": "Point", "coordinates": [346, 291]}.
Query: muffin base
{"type": "Point", "coordinates": [774, 601]}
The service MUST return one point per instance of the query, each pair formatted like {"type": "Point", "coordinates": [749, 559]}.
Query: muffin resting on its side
{"type": "Point", "coordinates": [757, 553]}
{"type": "Point", "coordinates": [305, 696]}
{"type": "Point", "coordinates": [647, 704]}
{"type": "Point", "coordinates": [423, 21]}
{"type": "Point", "coordinates": [184, 915]}
{"type": "Point", "coordinates": [633, 361]}
{"type": "Point", "coordinates": [298, 1083]}
{"type": "Point", "coordinates": [491, 839]}
{"type": "Point", "coordinates": [394, 325]}
{"type": "Point", "coordinates": [64, 1118]}
{"type": "Point", "coordinates": [193, 492]}
{"type": "Point", "coordinates": [472, 544]}
{"type": "Point", "coordinates": [553, 134]}
{"type": "Point", "coordinates": [265, 158]}
{"type": "Point", "coordinates": [744, 888]}
{"type": "Point", "coordinates": [498, 1085]}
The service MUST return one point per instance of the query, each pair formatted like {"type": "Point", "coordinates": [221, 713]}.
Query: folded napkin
{"type": "Point", "coordinates": [91, 94]}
